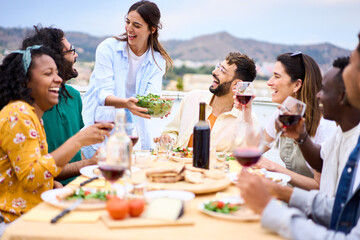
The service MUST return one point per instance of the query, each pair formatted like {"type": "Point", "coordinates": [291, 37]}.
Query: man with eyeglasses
{"type": "Point", "coordinates": [64, 119]}
{"type": "Point", "coordinates": [332, 217]}
{"type": "Point", "coordinates": [220, 112]}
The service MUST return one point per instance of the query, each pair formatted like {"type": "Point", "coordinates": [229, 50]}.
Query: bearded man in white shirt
{"type": "Point", "coordinates": [220, 111]}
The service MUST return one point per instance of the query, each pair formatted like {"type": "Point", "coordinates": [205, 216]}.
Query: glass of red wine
{"type": "Point", "coordinates": [244, 94]}
{"type": "Point", "coordinates": [248, 144]}
{"type": "Point", "coordinates": [290, 113]}
{"type": "Point", "coordinates": [132, 130]}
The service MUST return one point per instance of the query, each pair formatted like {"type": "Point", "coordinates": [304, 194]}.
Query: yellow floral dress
{"type": "Point", "coordinates": [26, 168]}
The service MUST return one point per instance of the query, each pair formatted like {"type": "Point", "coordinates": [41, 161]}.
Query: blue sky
{"type": "Point", "coordinates": [276, 21]}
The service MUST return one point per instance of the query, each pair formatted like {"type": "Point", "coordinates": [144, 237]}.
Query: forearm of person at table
{"type": "Point", "coordinates": [297, 180]}
{"type": "Point", "coordinates": [90, 135]}
{"type": "Point", "coordinates": [73, 169]}
{"type": "Point", "coordinates": [293, 222]}
{"type": "Point", "coordinates": [311, 153]}
{"type": "Point", "coordinates": [309, 149]}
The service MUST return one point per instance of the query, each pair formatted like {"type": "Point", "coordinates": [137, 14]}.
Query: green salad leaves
{"type": "Point", "coordinates": [157, 107]}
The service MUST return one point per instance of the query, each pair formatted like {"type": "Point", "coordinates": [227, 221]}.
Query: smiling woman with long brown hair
{"type": "Point", "coordinates": [125, 66]}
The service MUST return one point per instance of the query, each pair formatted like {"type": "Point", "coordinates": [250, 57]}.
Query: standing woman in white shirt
{"type": "Point", "coordinates": [133, 63]}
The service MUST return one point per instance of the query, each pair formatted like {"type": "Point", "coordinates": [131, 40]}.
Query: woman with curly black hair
{"type": "Point", "coordinates": [29, 85]}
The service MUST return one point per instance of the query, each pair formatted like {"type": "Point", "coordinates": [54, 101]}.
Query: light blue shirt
{"type": "Point", "coordinates": [109, 77]}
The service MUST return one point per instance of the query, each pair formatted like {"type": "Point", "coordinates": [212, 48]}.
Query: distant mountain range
{"type": "Point", "coordinates": [205, 48]}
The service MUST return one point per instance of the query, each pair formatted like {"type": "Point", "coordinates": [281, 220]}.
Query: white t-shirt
{"type": "Point", "coordinates": [134, 66]}
{"type": "Point", "coordinates": [135, 63]}
{"type": "Point", "coordinates": [325, 128]}
{"type": "Point", "coordinates": [335, 153]}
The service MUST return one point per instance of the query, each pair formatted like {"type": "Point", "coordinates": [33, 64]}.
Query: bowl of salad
{"type": "Point", "coordinates": [157, 106]}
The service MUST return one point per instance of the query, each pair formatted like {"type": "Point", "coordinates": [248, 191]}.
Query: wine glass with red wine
{"type": "Point", "coordinates": [244, 94]}
{"type": "Point", "coordinates": [132, 130]}
{"type": "Point", "coordinates": [290, 113]}
{"type": "Point", "coordinates": [248, 144]}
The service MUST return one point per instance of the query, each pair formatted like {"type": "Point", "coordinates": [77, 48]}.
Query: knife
{"type": "Point", "coordinates": [89, 180]}
{"type": "Point", "coordinates": [66, 211]}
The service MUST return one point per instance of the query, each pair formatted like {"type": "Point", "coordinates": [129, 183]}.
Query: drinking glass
{"type": "Point", "coordinates": [104, 114]}
{"type": "Point", "coordinates": [132, 130]}
{"type": "Point", "coordinates": [290, 113]}
{"type": "Point", "coordinates": [112, 170]}
{"type": "Point", "coordinates": [249, 144]}
{"type": "Point", "coordinates": [163, 148]}
{"type": "Point", "coordinates": [244, 94]}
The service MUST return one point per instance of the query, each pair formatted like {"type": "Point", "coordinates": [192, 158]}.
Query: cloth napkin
{"type": "Point", "coordinates": [44, 213]}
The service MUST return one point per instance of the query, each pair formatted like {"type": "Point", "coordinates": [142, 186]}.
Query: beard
{"type": "Point", "coordinates": [222, 89]}
{"type": "Point", "coordinates": [68, 72]}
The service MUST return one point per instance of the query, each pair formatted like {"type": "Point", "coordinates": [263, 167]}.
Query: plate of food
{"type": "Point", "coordinates": [157, 106]}
{"type": "Point", "coordinates": [230, 208]}
{"type": "Point", "coordinates": [94, 171]}
{"type": "Point", "coordinates": [280, 178]}
{"type": "Point", "coordinates": [176, 176]}
{"type": "Point", "coordinates": [64, 197]}
{"type": "Point", "coordinates": [182, 155]}
{"type": "Point", "coordinates": [178, 194]}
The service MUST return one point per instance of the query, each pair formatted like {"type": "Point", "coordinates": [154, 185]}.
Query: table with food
{"type": "Point", "coordinates": [185, 204]}
{"type": "Point", "coordinates": [167, 199]}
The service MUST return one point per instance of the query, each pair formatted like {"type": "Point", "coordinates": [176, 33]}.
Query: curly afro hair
{"type": "Point", "coordinates": [14, 81]}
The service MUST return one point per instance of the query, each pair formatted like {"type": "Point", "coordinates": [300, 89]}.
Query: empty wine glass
{"type": "Point", "coordinates": [244, 94]}
{"type": "Point", "coordinates": [105, 114]}
{"type": "Point", "coordinates": [290, 113]}
{"type": "Point", "coordinates": [248, 144]}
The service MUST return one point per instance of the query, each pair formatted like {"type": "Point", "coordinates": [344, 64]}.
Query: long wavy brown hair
{"type": "Point", "coordinates": [304, 67]}
{"type": "Point", "coordinates": [150, 12]}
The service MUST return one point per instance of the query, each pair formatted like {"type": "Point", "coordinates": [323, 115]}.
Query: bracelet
{"type": "Point", "coordinates": [301, 141]}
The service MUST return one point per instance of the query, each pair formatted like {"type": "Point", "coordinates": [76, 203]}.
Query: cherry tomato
{"type": "Point", "coordinates": [136, 207]}
{"type": "Point", "coordinates": [87, 193]}
{"type": "Point", "coordinates": [117, 208]}
{"type": "Point", "coordinates": [220, 204]}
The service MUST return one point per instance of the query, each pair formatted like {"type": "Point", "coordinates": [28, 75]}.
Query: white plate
{"type": "Point", "coordinates": [242, 214]}
{"type": "Point", "coordinates": [274, 176]}
{"type": "Point", "coordinates": [50, 197]}
{"type": "Point", "coordinates": [88, 171]}
{"type": "Point", "coordinates": [178, 194]}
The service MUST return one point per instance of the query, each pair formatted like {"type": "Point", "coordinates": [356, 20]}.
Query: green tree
{"type": "Point", "coordinates": [179, 84]}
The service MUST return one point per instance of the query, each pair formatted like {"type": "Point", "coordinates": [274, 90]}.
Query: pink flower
{"type": "Point", "coordinates": [27, 122]}
{"type": "Point", "coordinates": [19, 203]}
{"type": "Point", "coordinates": [17, 169]}
{"type": "Point", "coordinates": [19, 138]}
{"type": "Point", "coordinates": [2, 179]}
{"type": "Point", "coordinates": [33, 133]}
{"type": "Point", "coordinates": [9, 172]}
{"type": "Point", "coordinates": [48, 156]}
{"type": "Point", "coordinates": [22, 108]}
{"type": "Point", "coordinates": [31, 176]}
{"type": "Point", "coordinates": [47, 175]}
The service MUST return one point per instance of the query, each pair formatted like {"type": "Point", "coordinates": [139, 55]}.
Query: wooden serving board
{"type": "Point", "coordinates": [209, 186]}
{"type": "Point", "coordinates": [143, 222]}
